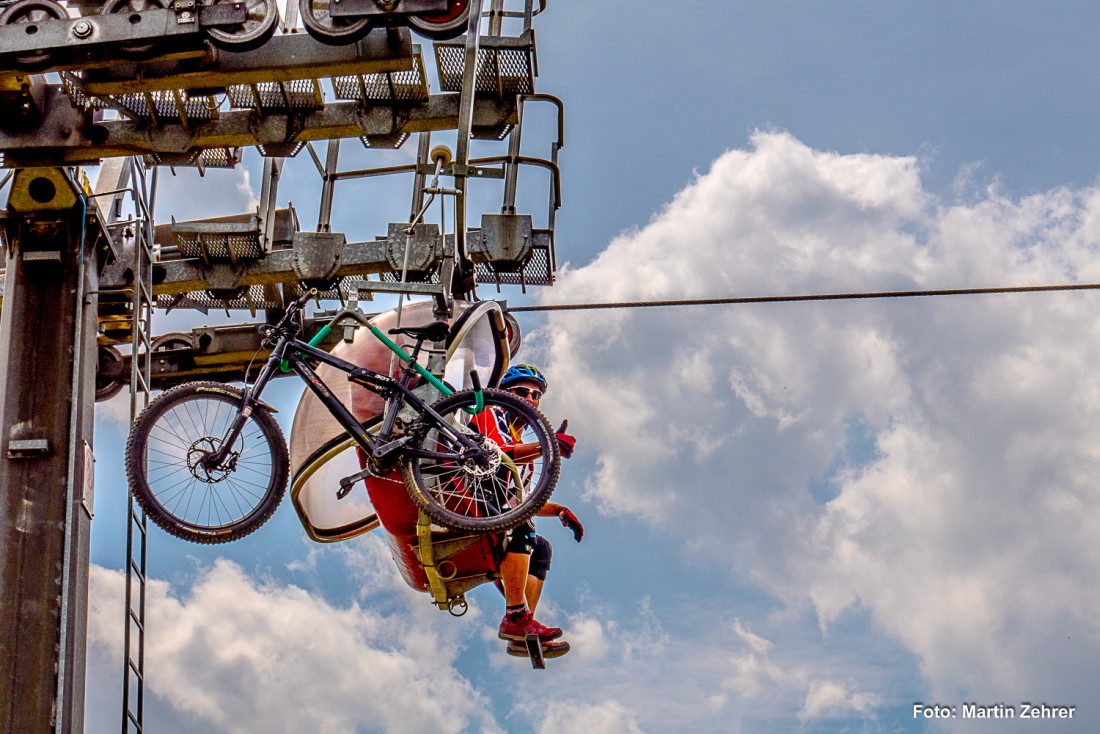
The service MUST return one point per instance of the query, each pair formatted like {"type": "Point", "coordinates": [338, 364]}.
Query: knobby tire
{"type": "Point", "coordinates": [468, 497]}
{"type": "Point", "coordinates": [172, 428]}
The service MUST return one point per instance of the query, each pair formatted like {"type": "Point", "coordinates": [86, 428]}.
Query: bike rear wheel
{"type": "Point", "coordinates": [491, 492]}
{"type": "Point", "coordinates": [183, 496]}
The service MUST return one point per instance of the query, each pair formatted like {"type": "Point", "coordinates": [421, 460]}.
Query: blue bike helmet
{"type": "Point", "coordinates": [522, 373]}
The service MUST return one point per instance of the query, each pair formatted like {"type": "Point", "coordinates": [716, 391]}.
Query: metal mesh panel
{"type": "Point", "coordinates": [251, 298]}
{"type": "Point", "coordinates": [172, 159]}
{"type": "Point", "coordinates": [536, 271]}
{"type": "Point", "coordinates": [413, 276]}
{"type": "Point", "coordinates": [219, 245]}
{"type": "Point", "coordinates": [220, 157]}
{"type": "Point", "coordinates": [163, 105]}
{"type": "Point", "coordinates": [504, 70]}
{"type": "Point", "coordinates": [389, 86]}
{"type": "Point", "coordinates": [72, 86]}
{"type": "Point", "coordinates": [296, 95]}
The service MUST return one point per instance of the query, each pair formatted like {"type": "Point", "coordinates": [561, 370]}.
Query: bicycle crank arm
{"type": "Point", "coordinates": [383, 451]}
{"type": "Point", "coordinates": [445, 455]}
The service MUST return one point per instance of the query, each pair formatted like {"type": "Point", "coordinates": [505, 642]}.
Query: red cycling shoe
{"type": "Point", "coordinates": [526, 625]}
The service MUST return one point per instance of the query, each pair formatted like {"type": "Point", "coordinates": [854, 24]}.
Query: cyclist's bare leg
{"type": "Point", "coordinates": [533, 591]}
{"type": "Point", "coordinates": [514, 577]}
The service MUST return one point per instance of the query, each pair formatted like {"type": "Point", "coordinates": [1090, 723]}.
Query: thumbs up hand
{"type": "Point", "coordinates": [565, 441]}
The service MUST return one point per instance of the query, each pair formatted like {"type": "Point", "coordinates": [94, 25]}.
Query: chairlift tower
{"type": "Point", "coordinates": [132, 85]}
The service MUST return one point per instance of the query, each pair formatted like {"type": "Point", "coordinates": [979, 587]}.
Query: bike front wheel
{"type": "Point", "coordinates": [497, 487]}
{"type": "Point", "coordinates": [184, 495]}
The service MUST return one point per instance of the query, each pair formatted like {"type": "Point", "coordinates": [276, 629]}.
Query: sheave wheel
{"type": "Point", "coordinates": [183, 494]}
{"type": "Point", "coordinates": [136, 50]}
{"type": "Point", "coordinates": [262, 17]}
{"type": "Point", "coordinates": [335, 31]}
{"type": "Point", "coordinates": [108, 378]}
{"type": "Point", "coordinates": [31, 13]}
{"type": "Point", "coordinates": [443, 26]}
{"type": "Point", "coordinates": [497, 489]}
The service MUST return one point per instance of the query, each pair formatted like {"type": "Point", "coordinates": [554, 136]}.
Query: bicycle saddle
{"type": "Point", "coordinates": [433, 332]}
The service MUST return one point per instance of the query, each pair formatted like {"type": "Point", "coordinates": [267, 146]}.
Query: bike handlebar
{"type": "Point", "coordinates": [306, 298]}
{"type": "Point", "coordinates": [296, 305]}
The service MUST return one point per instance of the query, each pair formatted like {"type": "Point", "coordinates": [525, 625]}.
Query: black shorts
{"type": "Point", "coordinates": [524, 539]}
{"type": "Point", "coordinates": [540, 558]}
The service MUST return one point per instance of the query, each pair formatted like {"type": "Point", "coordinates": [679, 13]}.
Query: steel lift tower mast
{"type": "Point", "coordinates": [46, 412]}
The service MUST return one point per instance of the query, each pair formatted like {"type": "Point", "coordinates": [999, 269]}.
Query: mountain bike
{"type": "Point", "coordinates": [209, 464]}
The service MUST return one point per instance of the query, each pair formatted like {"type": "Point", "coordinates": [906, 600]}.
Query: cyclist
{"type": "Point", "coordinates": [527, 554]}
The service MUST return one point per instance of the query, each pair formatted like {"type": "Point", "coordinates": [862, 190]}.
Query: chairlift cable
{"type": "Point", "coordinates": [809, 297]}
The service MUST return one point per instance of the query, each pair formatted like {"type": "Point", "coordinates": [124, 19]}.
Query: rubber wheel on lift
{"type": "Point", "coordinates": [135, 50]}
{"type": "Point", "coordinates": [108, 359]}
{"type": "Point", "coordinates": [31, 13]}
{"type": "Point", "coordinates": [171, 340]}
{"type": "Point", "coordinates": [262, 18]}
{"type": "Point", "coordinates": [335, 31]}
{"type": "Point", "coordinates": [443, 26]}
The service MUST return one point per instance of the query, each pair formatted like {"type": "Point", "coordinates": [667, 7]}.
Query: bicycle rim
{"type": "Point", "coordinates": [493, 492]}
{"type": "Point", "coordinates": [188, 499]}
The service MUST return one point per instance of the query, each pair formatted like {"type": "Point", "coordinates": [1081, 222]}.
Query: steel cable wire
{"type": "Point", "coordinates": [808, 297]}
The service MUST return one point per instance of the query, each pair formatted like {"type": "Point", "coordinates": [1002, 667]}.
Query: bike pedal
{"type": "Point", "coordinates": [534, 650]}
{"type": "Point", "coordinates": [347, 483]}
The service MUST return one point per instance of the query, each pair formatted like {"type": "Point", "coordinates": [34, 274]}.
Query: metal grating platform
{"type": "Point", "coordinates": [412, 276]}
{"type": "Point", "coordinates": [299, 95]}
{"type": "Point", "coordinates": [219, 242]}
{"type": "Point", "coordinates": [387, 86]}
{"type": "Point", "coordinates": [209, 158]}
{"type": "Point", "coordinates": [536, 271]}
{"type": "Point", "coordinates": [250, 298]}
{"type": "Point", "coordinates": [505, 65]}
{"type": "Point", "coordinates": [174, 105]}
{"type": "Point", "coordinates": [220, 157]}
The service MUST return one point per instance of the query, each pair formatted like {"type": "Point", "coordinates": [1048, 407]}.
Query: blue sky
{"type": "Point", "coordinates": [799, 517]}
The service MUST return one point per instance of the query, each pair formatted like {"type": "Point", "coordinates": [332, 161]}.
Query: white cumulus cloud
{"type": "Point", "coordinates": [234, 654]}
{"type": "Point", "coordinates": [929, 463]}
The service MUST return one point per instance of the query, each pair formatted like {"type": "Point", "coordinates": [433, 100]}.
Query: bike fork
{"type": "Point", "coordinates": [248, 401]}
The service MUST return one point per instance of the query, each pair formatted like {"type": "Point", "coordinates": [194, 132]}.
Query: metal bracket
{"type": "Point", "coordinates": [423, 248]}
{"type": "Point", "coordinates": [28, 448]}
{"type": "Point", "coordinates": [317, 255]}
{"type": "Point", "coordinates": [505, 241]}
{"type": "Point", "coordinates": [457, 169]}
{"type": "Point", "coordinates": [221, 14]}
